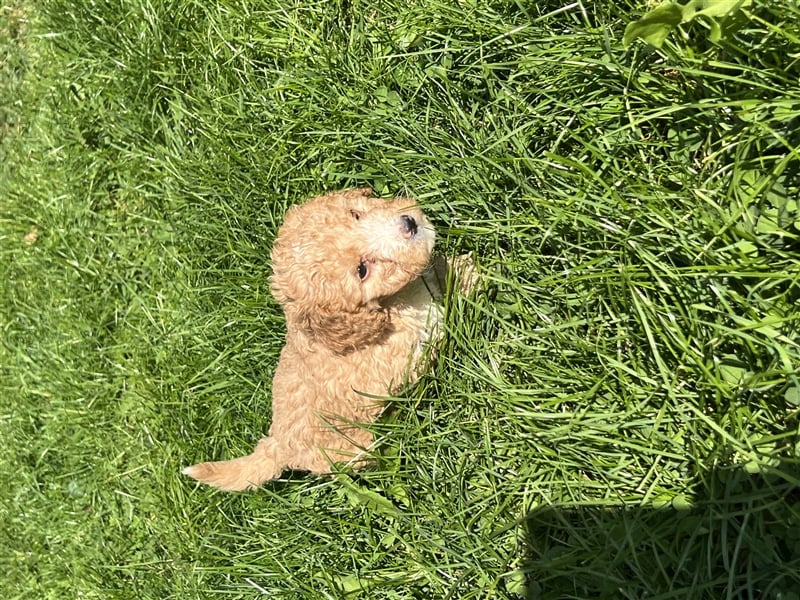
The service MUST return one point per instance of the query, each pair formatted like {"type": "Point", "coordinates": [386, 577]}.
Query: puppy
{"type": "Point", "coordinates": [355, 279]}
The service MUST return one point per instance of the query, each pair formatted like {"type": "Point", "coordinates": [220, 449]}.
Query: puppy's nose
{"type": "Point", "coordinates": [408, 225]}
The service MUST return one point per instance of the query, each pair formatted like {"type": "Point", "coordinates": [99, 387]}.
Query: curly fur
{"type": "Point", "coordinates": [349, 339]}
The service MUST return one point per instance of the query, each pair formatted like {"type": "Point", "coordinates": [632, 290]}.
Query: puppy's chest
{"type": "Point", "coordinates": [424, 326]}
{"type": "Point", "coordinates": [416, 314]}
{"type": "Point", "coordinates": [386, 366]}
{"type": "Point", "coordinates": [381, 368]}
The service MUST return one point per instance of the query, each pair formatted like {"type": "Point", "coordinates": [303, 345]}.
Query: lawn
{"type": "Point", "coordinates": [613, 415]}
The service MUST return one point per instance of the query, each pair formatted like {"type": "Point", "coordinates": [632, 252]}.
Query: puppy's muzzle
{"type": "Point", "coordinates": [408, 226]}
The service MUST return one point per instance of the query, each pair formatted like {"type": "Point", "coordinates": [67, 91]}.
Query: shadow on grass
{"type": "Point", "coordinates": [738, 536]}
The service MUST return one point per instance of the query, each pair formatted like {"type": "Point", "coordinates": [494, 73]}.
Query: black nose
{"type": "Point", "coordinates": [409, 225]}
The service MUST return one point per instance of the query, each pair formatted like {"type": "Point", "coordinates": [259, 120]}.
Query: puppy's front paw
{"type": "Point", "coordinates": [465, 274]}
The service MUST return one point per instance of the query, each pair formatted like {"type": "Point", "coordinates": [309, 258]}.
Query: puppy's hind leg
{"type": "Point", "coordinates": [244, 473]}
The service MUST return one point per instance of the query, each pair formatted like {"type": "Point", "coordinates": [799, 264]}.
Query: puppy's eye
{"type": "Point", "coordinates": [363, 270]}
{"type": "Point", "coordinates": [356, 214]}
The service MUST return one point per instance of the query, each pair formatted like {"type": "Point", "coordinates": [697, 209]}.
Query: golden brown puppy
{"type": "Point", "coordinates": [355, 278]}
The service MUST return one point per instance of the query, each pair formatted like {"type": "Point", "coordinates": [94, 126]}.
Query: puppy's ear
{"type": "Point", "coordinates": [344, 330]}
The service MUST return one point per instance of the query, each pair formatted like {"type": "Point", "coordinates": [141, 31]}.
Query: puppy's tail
{"type": "Point", "coordinates": [244, 473]}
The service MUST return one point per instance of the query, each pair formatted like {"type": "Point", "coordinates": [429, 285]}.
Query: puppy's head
{"type": "Point", "coordinates": [338, 257]}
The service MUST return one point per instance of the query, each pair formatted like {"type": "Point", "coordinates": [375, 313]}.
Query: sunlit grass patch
{"type": "Point", "coordinates": [613, 414]}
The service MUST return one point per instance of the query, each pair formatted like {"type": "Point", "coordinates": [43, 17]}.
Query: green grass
{"type": "Point", "coordinates": [616, 413]}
